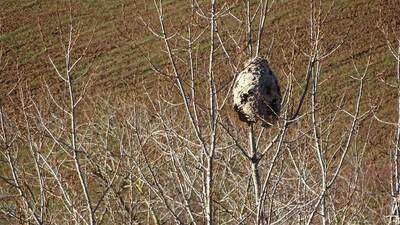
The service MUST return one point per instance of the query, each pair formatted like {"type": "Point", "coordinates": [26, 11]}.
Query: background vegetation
{"type": "Point", "coordinates": [120, 112]}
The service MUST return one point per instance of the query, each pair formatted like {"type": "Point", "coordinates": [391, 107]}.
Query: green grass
{"type": "Point", "coordinates": [19, 34]}
{"type": "Point", "coordinates": [29, 57]}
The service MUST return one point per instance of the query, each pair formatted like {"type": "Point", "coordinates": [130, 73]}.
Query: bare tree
{"type": "Point", "coordinates": [172, 151]}
{"type": "Point", "coordinates": [392, 40]}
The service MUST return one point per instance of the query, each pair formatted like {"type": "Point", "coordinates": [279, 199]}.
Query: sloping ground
{"type": "Point", "coordinates": [31, 32]}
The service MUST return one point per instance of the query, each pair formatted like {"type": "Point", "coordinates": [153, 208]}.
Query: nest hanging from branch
{"type": "Point", "coordinates": [256, 93]}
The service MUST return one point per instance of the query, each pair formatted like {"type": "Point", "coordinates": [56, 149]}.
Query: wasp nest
{"type": "Point", "coordinates": [256, 94]}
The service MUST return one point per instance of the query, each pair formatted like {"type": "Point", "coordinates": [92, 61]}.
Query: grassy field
{"type": "Point", "coordinates": [30, 33]}
{"type": "Point", "coordinates": [115, 41]}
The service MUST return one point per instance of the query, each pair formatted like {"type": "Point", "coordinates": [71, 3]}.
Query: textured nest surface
{"type": "Point", "coordinates": [256, 94]}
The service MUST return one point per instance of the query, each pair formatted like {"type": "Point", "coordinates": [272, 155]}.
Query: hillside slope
{"type": "Point", "coordinates": [30, 33]}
